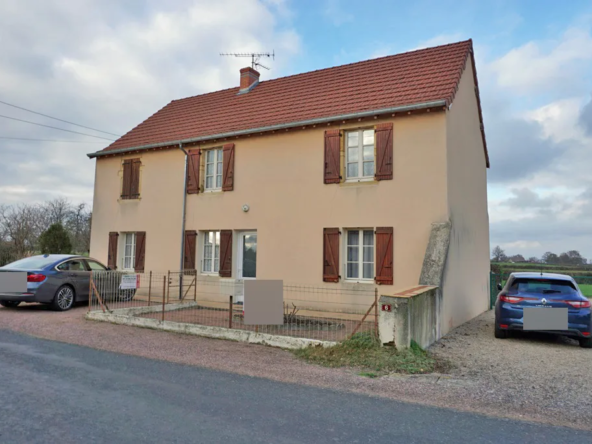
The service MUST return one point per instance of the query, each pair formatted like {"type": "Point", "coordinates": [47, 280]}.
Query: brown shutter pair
{"type": "Point", "coordinates": [225, 253]}
{"type": "Point", "coordinates": [384, 255]}
{"type": "Point", "coordinates": [384, 153]}
{"type": "Point", "coordinates": [190, 245]}
{"type": "Point", "coordinates": [140, 253]}
{"type": "Point", "coordinates": [193, 168]}
{"type": "Point", "coordinates": [131, 179]}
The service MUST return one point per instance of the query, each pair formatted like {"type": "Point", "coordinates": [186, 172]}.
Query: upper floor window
{"type": "Point", "coordinates": [214, 162]}
{"type": "Point", "coordinates": [131, 179]}
{"type": "Point", "coordinates": [359, 154]}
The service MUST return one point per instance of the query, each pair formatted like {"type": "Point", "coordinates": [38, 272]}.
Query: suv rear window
{"type": "Point", "coordinates": [542, 286]}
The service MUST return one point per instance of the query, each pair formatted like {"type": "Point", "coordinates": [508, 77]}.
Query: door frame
{"type": "Point", "coordinates": [240, 245]}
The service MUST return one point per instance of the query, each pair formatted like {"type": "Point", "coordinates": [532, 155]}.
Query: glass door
{"type": "Point", "coordinates": [247, 260]}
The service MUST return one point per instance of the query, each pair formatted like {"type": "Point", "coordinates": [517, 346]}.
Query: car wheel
{"type": "Point", "coordinates": [586, 342]}
{"type": "Point", "coordinates": [63, 299]}
{"type": "Point", "coordinates": [10, 304]}
{"type": "Point", "coordinates": [499, 333]}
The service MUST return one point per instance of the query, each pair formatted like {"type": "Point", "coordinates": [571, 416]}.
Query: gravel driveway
{"type": "Point", "coordinates": [533, 379]}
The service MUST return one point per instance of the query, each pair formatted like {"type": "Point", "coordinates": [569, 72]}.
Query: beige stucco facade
{"type": "Point", "coordinates": [439, 174]}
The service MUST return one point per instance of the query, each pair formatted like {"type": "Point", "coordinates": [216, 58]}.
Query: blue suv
{"type": "Point", "coordinates": [541, 302]}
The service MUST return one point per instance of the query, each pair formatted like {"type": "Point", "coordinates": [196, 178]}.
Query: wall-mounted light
{"type": "Point", "coordinates": [245, 208]}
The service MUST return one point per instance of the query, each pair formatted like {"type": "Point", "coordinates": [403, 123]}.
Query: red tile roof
{"type": "Point", "coordinates": [411, 78]}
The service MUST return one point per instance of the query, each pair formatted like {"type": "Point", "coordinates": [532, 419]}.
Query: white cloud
{"type": "Point", "coordinates": [520, 245]}
{"type": "Point", "coordinates": [110, 65]}
{"type": "Point", "coordinates": [543, 67]}
{"type": "Point", "coordinates": [336, 13]}
{"type": "Point", "coordinates": [441, 39]}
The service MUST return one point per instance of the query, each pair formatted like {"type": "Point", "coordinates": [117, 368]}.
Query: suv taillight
{"type": "Point", "coordinates": [35, 278]}
{"type": "Point", "coordinates": [579, 304]}
{"type": "Point", "coordinates": [514, 299]}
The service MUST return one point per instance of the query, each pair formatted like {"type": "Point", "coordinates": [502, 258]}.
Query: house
{"type": "Point", "coordinates": [331, 178]}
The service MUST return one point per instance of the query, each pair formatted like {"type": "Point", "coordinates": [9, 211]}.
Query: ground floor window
{"type": "Point", "coordinates": [211, 252]}
{"type": "Point", "coordinates": [129, 251]}
{"type": "Point", "coordinates": [360, 254]}
{"type": "Point", "coordinates": [247, 255]}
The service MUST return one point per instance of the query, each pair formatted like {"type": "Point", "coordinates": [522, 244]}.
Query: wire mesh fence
{"type": "Point", "coordinates": [322, 313]}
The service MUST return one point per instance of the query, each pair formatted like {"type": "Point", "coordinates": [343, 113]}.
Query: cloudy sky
{"type": "Point", "coordinates": [108, 65]}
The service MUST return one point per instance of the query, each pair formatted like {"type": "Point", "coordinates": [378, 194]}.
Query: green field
{"type": "Point", "coordinates": [586, 289]}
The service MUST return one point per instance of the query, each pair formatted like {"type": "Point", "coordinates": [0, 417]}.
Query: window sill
{"type": "Point", "coordinates": [217, 190]}
{"type": "Point", "coordinates": [358, 281]}
{"type": "Point", "coordinates": [135, 199]}
{"type": "Point", "coordinates": [205, 273]}
{"type": "Point", "coordinates": [363, 181]}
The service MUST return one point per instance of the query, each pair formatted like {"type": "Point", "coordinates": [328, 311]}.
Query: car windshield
{"type": "Point", "coordinates": [542, 286]}
{"type": "Point", "coordinates": [31, 263]}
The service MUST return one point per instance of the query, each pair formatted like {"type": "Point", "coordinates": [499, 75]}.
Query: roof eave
{"type": "Point", "coordinates": [317, 121]}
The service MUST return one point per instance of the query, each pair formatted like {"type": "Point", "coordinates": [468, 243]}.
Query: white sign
{"type": "Point", "coordinates": [129, 281]}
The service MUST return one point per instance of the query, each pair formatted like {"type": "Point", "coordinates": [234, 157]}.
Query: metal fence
{"type": "Point", "coordinates": [323, 313]}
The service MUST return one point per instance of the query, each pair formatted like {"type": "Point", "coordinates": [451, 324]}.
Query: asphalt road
{"type": "Point", "coordinates": [55, 392]}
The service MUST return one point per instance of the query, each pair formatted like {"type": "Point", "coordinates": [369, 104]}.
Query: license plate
{"type": "Point", "coordinates": [539, 318]}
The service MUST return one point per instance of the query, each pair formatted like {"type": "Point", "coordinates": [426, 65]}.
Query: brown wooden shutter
{"type": "Point", "coordinates": [189, 257]}
{"type": "Point", "coordinates": [135, 180]}
{"type": "Point", "coordinates": [384, 151]}
{"type": "Point", "coordinates": [384, 255]}
{"type": "Point", "coordinates": [225, 253]}
{"type": "Point", "coordinates": [140, 251]}
{"type": "Point", "coordinates": [193, 171]}
{"type": "Point", "coordinates": [127, 179]}
{"type": "Point", "coordinates": [332, 155]}
{"type": "Point", "coordinates": [112, 251]}
{"type": "Point", "coordinates": [331, 255]}
{"type": "Point", "coordinates": [228, 168]}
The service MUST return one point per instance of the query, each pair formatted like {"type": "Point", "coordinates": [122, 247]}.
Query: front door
{"type": "Point", "coordinates": [247, 255]}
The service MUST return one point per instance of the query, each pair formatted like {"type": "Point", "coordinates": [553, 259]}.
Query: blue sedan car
{"type": "Point", "coordinates": [58, 280]}
{"type": "Point", "coordinates": [545, 302]}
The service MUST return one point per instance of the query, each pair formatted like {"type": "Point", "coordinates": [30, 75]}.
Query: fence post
{"type": "Point", "coordinates": [230, 312]}
{"type": "Point", "coordinates": [376, 311]}
{"type": "Point", "coordinates": [169, 286]}
{"type": "Point", "coordinates": [149, 288]}
{"type": "Point", "coordinates": [164, 286]}
{"type": "Point", "coordinates": [90, 282]}
{"type": "Point", "coordinates": [195, 288]}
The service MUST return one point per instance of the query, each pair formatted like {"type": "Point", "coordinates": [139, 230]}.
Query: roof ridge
{"type": "Point", "coordinates": [413, 51]}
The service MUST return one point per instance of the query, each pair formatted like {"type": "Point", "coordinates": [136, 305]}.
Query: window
{"type": "Point", "coordinates": [95, 266]}
{"type": "Point", "coordinates": [129, 251]}
{"type": "Point", "coordinates": [360, 154]}
{"type": "Point", "coordinates": [542, 286]}
{"type": "Point", "coordinates": [131, 179]}
{"type": "Point", "coordinates": [213, 169]}
{"type": "Point", "coordinates": [75, 265]}
{"type": "Point", "coordinates": [211, 252]}
{"type": "Point", "coordinates": [360, 254]}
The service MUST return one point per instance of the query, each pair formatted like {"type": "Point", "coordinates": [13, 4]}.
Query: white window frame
{"type": "Point", "coordinates": [360, 259]}
{"type": "Point", "coordinates": [360, 150]}
{"type": "Point", "coordinates": [218, 164]}
{"type": "Point", "coordinates": [124, 243]}
{"type": "Point", "coordinates": [212, 258]}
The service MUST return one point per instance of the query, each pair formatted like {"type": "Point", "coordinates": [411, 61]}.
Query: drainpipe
{"type": "Point", "coordinates": [182, 261]}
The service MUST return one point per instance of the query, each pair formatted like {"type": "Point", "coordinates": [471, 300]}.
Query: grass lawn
{"type": "Point", "coordinates": [364, 352]}
{"type": "Point", "coordinates": [586, 289]}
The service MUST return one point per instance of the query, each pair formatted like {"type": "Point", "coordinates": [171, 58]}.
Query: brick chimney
{"type": "Point", "coordinates": [248, 79]}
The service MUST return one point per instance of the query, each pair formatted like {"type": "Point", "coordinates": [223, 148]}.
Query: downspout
{"type": "Point", "coordinates": [182, 260]}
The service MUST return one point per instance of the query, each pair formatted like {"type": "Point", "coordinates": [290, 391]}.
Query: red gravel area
{"type": "Point", "coordinates": [459, 391]}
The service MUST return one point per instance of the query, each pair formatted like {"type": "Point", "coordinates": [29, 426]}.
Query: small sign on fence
{"type": "Point", "coordinates": [129, 282]}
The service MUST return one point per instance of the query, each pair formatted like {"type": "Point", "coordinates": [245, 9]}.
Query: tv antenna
{"type": "Point", "coordinates": [255, 56]}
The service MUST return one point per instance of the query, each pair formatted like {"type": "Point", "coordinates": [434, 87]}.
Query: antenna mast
{"type": "Point", "coordinates": [255, 56]}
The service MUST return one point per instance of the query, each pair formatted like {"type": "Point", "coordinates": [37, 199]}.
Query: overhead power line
{"type": "Point", "coordinates": [61, 120]}
{"type": "Point", "coordinates": [55, 127]}
{"type": "Point", "coordinates": [50, 140]}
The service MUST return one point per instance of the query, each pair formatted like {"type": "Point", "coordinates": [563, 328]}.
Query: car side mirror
{"type": "Point", "coordinates": [499, 287]}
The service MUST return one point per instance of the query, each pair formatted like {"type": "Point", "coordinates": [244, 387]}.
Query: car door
{"type": "Point", "coordinates": [75, 273]}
